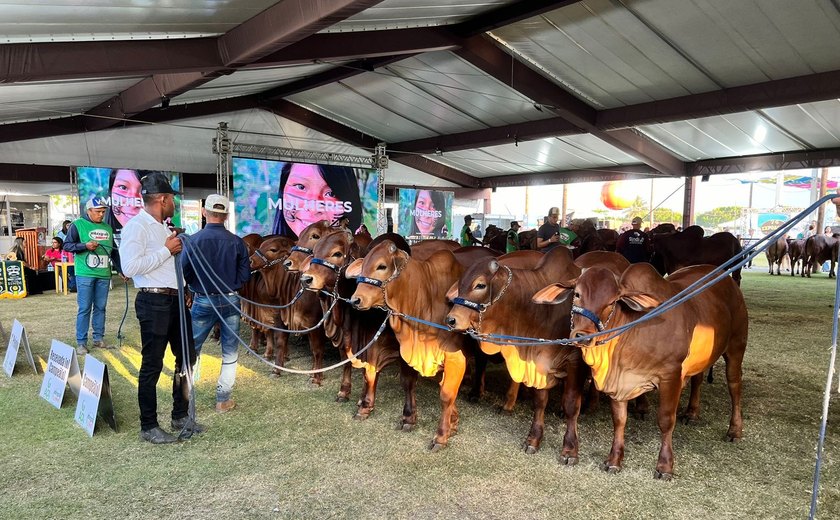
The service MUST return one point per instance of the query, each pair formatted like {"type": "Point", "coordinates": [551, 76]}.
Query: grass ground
{"type": "Point", "coordinates": [290, 451]}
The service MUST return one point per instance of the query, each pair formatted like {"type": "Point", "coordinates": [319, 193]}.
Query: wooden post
{"type": "Point", "coordinates": [821, 210]}
{"type": "Point", "coordinates": [563, 209]}
{"type": "Point", "coordinates": [688, 201]}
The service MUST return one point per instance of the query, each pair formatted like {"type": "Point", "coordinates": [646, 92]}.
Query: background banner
{"type": "Point", "coordinates": [285, 197]}
{"type": "Point", "coordinates": [120, 187]}
{"type": "Point", "coordinates": [425, 214]}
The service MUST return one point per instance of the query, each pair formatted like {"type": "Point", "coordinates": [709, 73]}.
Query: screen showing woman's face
{"type": "Point", "coordinates": [307, 198]}
{"type": "Point", "coordinates": [425, 213]}
{"type": "Point", "coordinates": [125, 196]}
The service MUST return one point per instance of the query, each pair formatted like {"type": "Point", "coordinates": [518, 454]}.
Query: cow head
{"type": "Point", "coordinates": [271, 251]}
{"type": "Point", "coordinates": [481, 284]}
{"type": "Point", "coordinates": [307, 240]}
{"type": "Point", "coordinates": [374, 272]}
{"type": "Point", "coordinates": [597, 293]}
{"type": "Point", "coordinates": [330, 254]}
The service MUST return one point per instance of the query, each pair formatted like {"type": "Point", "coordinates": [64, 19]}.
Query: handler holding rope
{"type": "Point", "coordinates": [147, 252]}
{"type": "Point", "coordinates": [226, 256]}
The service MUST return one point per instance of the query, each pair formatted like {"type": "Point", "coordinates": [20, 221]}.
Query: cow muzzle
{"type": "Point", "coordinates": [287, 265]}
{"type": "Point", "coordinates": [306, 281]}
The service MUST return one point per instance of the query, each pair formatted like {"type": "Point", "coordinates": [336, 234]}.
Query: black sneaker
{"type": "Point", "coordinates": [187, 427]}
{"type": "Point", "coordinates": [157, 436]}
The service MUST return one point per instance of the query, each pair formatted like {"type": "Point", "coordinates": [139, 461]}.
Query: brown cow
{"type": "Point", "coordinates": [663, 353]}
{"type": "Point", "coordinates": [689, 247]}
{"type": "Point", "coordinates": [351, 329]}
{"type": "Point", "coordinates": [305, 313]}
{"type": "Point", "coordinates": [819, 249]}
{"type": "Point", "coordinates": [775, 253]}
{"type": "Point", "coordinates": [494, 298]}
{"type": "Point", "coordinates": [267, 276]}
{"type": "Point", "coordinates": [392, 279]}
{"type": "Point", "coordinates": [425, 248]}
{"type": "Point", "coordinates": [796, 252]}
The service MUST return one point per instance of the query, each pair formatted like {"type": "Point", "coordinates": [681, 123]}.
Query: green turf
{"type": "Point", "coordinates": [290, 451]}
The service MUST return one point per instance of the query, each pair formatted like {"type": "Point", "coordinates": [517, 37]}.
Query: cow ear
{"type": "Point", "coordinates": [639, 302]}
{"type": "Point", "coordinates": [452, 293]}
{"type": "Point", "coordinates": [494, 266]}
{"type": "Point", "coordinates": [354, 250]}
{"type": "Point", "coordinates": [401, 257]}
{"type": "Point", "coordinates": [553, 294]}
{"type": "Point", "coordinates": [354, 269]}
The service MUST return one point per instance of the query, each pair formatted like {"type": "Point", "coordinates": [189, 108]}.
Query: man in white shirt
{"type": "Point", "coordinates": [148, 248]}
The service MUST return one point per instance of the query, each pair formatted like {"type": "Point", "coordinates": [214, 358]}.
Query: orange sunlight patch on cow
{"type": "Point", "coordinates": [598, 358]}
{"type": "Point", "coordinates": [699, 351]}
{"type": "Point", "coordinates": [529, 365]}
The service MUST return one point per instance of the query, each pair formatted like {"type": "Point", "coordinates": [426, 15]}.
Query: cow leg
{"type": "Point", "coordinates": [669, 400]}
{"type": "Point", "coordinates": [281, 349]}
{"type": "Point", "coordinates": [454, 366]}
{"type": "Point", "coordinates": [317, 342]}
{"type": "Point", "coordinates": [733, 380]}
{"type": "Point", "coordinates": [534, 439]}
{"type": "Point", "coordinates": [510, 398]}
{"type": "Point", "coordinates": [346, 374]}
{"type": "Point", "coordinates": [619, 417]}
{"type": "Point", "coordinates": [592, 399]}
{"type": "Point", "coordinates": [572, 397]}
{"type": "Point", "coordinates": [641, 407]}
{"type": "Point", "coordinates": [831, 270]}
{"type": "Point", "coordinates": [692, 412]}
{"type": "Point", "coordinates": [408, 379]}
{"type": "Point", "coordinates": [477, 390]}
{"type": "Point", "coordinates": [369, 396]}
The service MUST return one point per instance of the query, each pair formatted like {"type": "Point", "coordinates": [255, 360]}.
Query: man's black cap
{"type": "Point", "coordinates": [155, 182]}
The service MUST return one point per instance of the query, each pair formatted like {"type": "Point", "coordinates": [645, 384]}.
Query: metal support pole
{"type": "Point", "coordinates": [688, 201]}
{"type": "Point", "coordinates": [222, 148]}
{"type": "Point", "coordinates": [75, 203]}
{"type": "Point", "coordinates": [380, 161]}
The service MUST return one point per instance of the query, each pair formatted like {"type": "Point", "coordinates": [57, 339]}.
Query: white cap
{"type": "Point", "coordinates": [217, 203]}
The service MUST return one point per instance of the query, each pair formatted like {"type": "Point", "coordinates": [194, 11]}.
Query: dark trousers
{"type": "Point", "coordinates": [159, 317]}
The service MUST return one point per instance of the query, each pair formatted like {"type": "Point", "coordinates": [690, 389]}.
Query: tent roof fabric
{"type": "Point", "coordinates": [478, 94]}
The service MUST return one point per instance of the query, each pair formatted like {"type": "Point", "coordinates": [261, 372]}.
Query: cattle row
{"type": "Point", "coordinates": [476, 293]}
{"type": "Point", "coordinates": [805, 255]}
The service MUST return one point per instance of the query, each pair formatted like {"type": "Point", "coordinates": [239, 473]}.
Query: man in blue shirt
{"type": "Point", "coordinates": [215, 264]}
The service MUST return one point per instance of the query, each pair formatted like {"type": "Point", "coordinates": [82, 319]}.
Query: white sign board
{"type": "Point", "coordinates": [95, 396]}
{"type": "Point", "coordinates": [17, 337]}
{"type": "Point", "coordinates": [62, 370]}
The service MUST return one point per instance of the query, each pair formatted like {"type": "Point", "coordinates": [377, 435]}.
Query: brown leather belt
{"type": "Point", "coordinates": [160, 290]}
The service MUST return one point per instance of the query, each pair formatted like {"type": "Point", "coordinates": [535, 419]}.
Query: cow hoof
{"type": "Point", "coordinates": [689, 420]}
{"type": "Point", "coordinates": [274, 374]}
{"type": "Point", "coordinates": [341, 398]}
{"type": "Point", "coordinates": [501, 410]}
{"type": "Point", "coordinates": [639, 416]}
{"type": "Point", "coordinates": [731, 437]}
{"type": "Point", "coordinates": [568, 460]}
{"type": "Point", "coordinates": [530, 450]}
{"type": "Point", "coordinates": [360, 416]}
{"type": "Point", "coordinates": [405, 427]}
{"type": "Point", "coordinates": [473, 398]}
{"type": "Point", "coordinates": [435, 446]}
{"type": "Point", "coordinates": [658, 475]}
{"type": "Point", "coordinates": [612, 470]}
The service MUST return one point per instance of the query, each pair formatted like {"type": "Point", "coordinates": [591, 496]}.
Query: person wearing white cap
{"type": "Point", "coordinates": [634, 244]}
{"type": "Point", "coordinates": [215, 264]}
{"type": "Point", "coordinates": [92, 242]}
{"type": "Point", "coordinates": [147, 252]}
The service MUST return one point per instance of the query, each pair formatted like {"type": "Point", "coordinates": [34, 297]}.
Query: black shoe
{"type": "Point", "coordinates": [157, 436]}
{"type": "Point", "coordinates": [187, 427]}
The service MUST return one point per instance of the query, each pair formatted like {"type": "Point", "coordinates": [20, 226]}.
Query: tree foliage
{"type": "Point", "coordinates": [661, 215]}
{"type": "Point", "coordinates": [719, 215]}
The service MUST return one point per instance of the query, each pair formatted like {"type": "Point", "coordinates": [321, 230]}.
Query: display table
{"type": "Point", "coordinates": [63, 267]}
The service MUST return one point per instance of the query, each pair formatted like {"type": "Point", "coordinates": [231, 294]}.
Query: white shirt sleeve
{"type": "Point", "coordinates": [133, 254]}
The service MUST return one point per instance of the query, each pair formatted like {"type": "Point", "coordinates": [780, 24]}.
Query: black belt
{"type": "Point", "coordinates": [160, 290]}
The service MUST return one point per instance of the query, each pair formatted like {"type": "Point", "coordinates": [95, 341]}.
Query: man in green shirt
{"type": "Point", "coordinates": [512, 243]}
{"type": "Point", "coordinates": [92, 242]}
{"type": "Point", "coordinates": [467, 238]}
